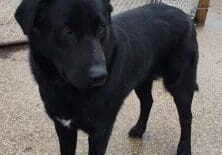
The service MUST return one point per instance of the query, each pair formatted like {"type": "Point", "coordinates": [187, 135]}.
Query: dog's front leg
{"type": "Point", "coordinates": [98, 141]}
{"type": "Point", "coordinates": [67, 139]}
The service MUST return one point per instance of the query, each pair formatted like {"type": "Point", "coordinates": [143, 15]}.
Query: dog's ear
{"type": "Point", "coordinates": [109, 5]}
{"type": "Point", "coordinates": [25, 14]}
{"type": "Point", "coordinates": [110, 8]}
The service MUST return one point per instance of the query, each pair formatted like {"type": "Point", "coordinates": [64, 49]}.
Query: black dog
{"type": "Point", "coordinates": [86, 62]}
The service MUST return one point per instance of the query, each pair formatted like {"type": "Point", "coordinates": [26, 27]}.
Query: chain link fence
{"type": "Point", "coordinates": [189, 6]}
{"type": "Point", "coordinates": [11, 32]}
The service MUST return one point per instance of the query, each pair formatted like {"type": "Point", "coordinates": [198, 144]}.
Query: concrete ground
{"type": "Point", "coordinates": [25, 129]}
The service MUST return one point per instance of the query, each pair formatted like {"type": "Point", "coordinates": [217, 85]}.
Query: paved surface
{"type": "Point", "coordinates": [25, 129]}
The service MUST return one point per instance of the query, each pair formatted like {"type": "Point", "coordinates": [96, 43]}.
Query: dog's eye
{"type": "Point", "coordinates": [101, 30]}
{"type": "Point", "coordinates": [67, 30]}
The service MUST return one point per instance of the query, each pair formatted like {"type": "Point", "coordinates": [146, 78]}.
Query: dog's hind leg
{"type": "Point", "coordinates": [182, 90]}
{"type": "Point", "coordinates": [180, 80]}
{"type": "Point", "coordinates": [145, 96]}
{"type": "Point", "coordinates": [183, 101]}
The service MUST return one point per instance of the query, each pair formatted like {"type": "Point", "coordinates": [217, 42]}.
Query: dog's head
{"type": "Point", "coordinates": [70, 34]}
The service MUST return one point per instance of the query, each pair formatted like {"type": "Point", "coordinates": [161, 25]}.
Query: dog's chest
{"type": "Point", "coordinates": [67, 123]}
{"type": "Point", "coordinates": [73, 118]}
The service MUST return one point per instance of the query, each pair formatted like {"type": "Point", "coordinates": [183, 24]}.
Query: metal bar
{"type": "Point", "coordinates": [13, 43]}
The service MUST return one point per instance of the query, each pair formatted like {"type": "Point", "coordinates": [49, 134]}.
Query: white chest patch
{"type": "Point", "coordinates": [64, 122]}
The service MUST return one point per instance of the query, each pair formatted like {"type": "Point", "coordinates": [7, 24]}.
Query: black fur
{"type": "Point", "coordinates": [69, 38]}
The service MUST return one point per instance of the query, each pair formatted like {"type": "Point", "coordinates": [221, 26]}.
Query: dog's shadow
{"type": "Point", "coordinates": [140, 147]}
{"type": "Point", "coordinates": [136, 146]}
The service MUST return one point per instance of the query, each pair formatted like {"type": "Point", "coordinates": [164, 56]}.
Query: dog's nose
{"type": "Point", "coordinates": [98, 75]}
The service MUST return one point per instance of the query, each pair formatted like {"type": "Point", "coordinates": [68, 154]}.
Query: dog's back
{"type": "Point", "coordinates": [161, 41]}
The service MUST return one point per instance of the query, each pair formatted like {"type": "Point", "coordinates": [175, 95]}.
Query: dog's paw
{"type": "Point", "coordinates": [184, 149]}
{"type": "Point", "coordinates": [137, 132]}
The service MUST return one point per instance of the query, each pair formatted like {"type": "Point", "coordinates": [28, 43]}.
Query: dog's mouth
{"type": "Point", "coordinates": [85, 85]}
{"type": "Point", "coordinates": [99, 83]}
